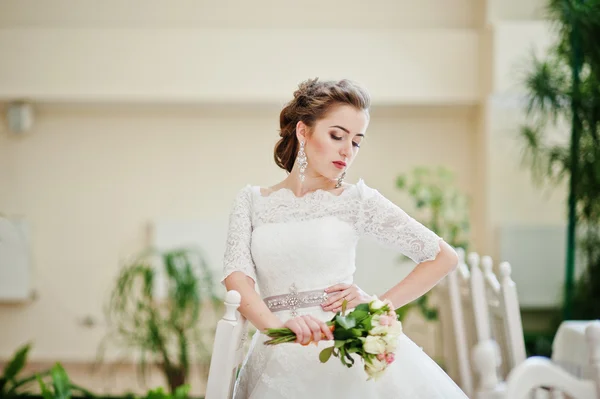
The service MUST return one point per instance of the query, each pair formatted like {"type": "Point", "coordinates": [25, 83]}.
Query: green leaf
{"type": "Point", "coordinates": [350, 358]}
{"type": "Point", "coordinates": [346, 323]}
{"type": "Point", "coordinates": [60, 379]}
{"type": "Point", "coordinates": [366, 323]}
{"type": "Point", "coordinates": [46, 394]}
{"type": "Point", "coordinates": [344, 306]}
{"type": "Point", "coordinates": [182, 392]}
{"type": "Point", "coordinates": [325, 354]}
{"type": "Point", "coordinates": [401, 181]}
{"type": "Point", "coordinates": [401, 312]}
{"type": "Point", "coordinates": [359, 315]}
{"type": "Point", "coordinates": [17, 363]}
{"type": "Point", "coordinates": [362, 307]}
{"type": "Point", "coordinates": [339, 343]}
{"type": "Point", "coordinates": [343, 356]}
{"type": "Point", "coordinates": [357, 332]}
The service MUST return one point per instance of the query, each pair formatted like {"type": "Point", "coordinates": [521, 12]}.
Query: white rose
{"type": "Point", "coordinates": [395, 329]}
{"type": "Point", "coordinates": [376, 327]}
{"type": "Point", "coordinates": [376, 304]}
{"type": "Point", "coordinates": [374, 344]}
{"type": "Point", "coordinates": [375, 368]}
{"type": "Point", "coordinates": [391, 343]}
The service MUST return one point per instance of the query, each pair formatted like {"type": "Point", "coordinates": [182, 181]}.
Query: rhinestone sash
{"type": "Point", "coordinates": [295, 300]}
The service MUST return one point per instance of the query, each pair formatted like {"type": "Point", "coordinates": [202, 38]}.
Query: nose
{"type": "Point", "coordinates": [346, 150]}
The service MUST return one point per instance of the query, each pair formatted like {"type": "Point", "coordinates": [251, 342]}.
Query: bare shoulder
{"type": "Point", "coordinates": [266, 191]}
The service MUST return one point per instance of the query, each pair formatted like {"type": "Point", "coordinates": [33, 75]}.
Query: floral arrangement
{"type": "Point", "coordinates": [370, 331]}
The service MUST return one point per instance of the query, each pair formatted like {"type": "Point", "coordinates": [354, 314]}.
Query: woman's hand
{"type": "Point", "coordinates": [350, 292]}
{"type": "Point", "coordinates": [308, 328]}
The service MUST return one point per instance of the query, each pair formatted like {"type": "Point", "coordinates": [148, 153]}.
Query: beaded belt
{"type": "Point", "coordinates": [295, 300]}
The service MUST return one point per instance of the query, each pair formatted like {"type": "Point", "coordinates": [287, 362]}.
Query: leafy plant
{"type": "Point", "coordinates": [442, 208]}
{"type": "Point", "coordinates": [60, 386]}
{"type": "Point", "coordinates": [564, 86]}
{"type": "Point", "coordinates": [9, 382]}
{"type": "Point", "coordinates": [166, 332]}
{"type": "Point", "coordinates": [11, 386]}
{"type": "Point", "coordinates": [181, 392]}
{"type": "Point", "coordinates": [440, 205]}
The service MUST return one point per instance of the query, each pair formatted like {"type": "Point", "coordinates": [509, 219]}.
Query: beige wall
{"type": "Point", "coordinates": [91, 179]}
{"type": "Point", "coordinates": [384, 14]}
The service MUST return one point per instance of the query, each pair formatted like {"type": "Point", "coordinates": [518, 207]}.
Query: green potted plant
{"type": "Point", "coordinates": [169, 330]}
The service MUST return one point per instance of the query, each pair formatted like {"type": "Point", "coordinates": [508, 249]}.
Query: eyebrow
{"type": "Point", "coordinates": [346, 130]}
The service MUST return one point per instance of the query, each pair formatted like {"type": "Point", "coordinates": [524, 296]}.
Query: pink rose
{"type": "Point", "coordinates": [390, 358]}
{"type": "Point", "coordinates": [381, 356]}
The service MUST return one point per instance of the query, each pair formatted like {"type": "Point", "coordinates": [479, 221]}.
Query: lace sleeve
{"type": "Point", "coordinates": [388, 224]}
{"type": "Point", "coordinates": [237, 248]}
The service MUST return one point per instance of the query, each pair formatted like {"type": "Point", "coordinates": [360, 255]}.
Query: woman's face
{"type": "Point", "coordinates": [334, 141]}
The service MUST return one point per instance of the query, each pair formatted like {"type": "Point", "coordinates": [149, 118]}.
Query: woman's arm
{"type": "Point", "coordinates": [239, 274]}
{"type": "Point", "coordinates": [252, 306]}
{"type": "Point", "coordinates": [388, 224]}
{"type": "Point", "coordinates": [423, 277]}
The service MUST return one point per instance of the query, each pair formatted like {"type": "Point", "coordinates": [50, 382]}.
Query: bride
{"type": "Point", "coordinates": [296, 241]}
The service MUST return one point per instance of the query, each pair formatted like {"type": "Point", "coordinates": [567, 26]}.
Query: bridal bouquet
{"type": "Point", "coordinates": [371, 331]}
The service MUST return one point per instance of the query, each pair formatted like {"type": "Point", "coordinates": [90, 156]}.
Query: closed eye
{"type": "Point", "coordinates": [354, 143]}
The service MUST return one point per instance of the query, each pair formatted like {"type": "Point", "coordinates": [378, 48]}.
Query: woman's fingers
{"type": "Point", "coordinates": [337, 300]}
{"type": "Point", "coordinates": [352, 302]}
{"type": "Point", "coordinates": [337, 287]}
{"type": "Point", "coordinates": [295, 327]}
{"type": "Point", "coordinates": [308, 328]}
{"type": "Point", "coordinates": [326, 330]}
{"type": "Point", "coordinates": [314, 327]}
{"type": "Point", "coordinates": [306, 332]}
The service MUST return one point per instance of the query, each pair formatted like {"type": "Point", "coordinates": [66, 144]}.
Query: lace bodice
{"type": "Point", "coordinates": [280, 240]}
{"type": "Point", "coordinates": [310, 241]}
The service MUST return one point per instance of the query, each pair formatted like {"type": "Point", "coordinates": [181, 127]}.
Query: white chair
{"type": "Point", "coordinates": [228, 350]}
{"type": "Point", "coordinates": [538, 372]}
{"type": "Point", "coordinates": [456, 318]}
{"type": "Point", "coordinates": [499, 327]}
{"type": "Point", "coordinates": [497, 312]}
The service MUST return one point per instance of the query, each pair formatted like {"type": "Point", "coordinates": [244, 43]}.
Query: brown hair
{"type": "Point", "coordinates": [312, 100]}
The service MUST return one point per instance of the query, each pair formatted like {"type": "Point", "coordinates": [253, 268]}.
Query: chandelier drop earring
{"type": "Point", "coordinates": [302, 162]}
{"type": "Point", "coordinates": [340, 180]}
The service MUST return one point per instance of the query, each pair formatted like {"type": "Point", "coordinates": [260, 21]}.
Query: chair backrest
{"type": "Point", "coordinates": [505, 314]}
{"type": "Point", "coordinates": [497, 312]}
{"type": "Point", "coordinates": [536, 372]}
{"type": "Point", "coordinates": [455, 314]}
{"type": "Point", "coordinates": [592, 335]}
{"type": "Point", "coordinates": [538, 377]}
{"type": "Point", "coordinates": [228, 350]}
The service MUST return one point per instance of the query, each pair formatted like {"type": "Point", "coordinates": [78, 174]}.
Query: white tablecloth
{"type": "Point", "coordinates": [570, 349]}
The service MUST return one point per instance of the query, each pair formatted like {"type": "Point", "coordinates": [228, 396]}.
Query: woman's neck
{"type": "Point", "coordinates": [310, 184]}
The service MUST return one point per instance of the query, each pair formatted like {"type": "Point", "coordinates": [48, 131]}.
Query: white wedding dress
{"type": "Point", "coordinates": [309, 242]}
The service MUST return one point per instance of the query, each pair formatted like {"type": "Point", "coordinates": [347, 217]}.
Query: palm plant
{"type": "Point", "coordinates": [166, 330]}
{"type": "Point", "coordinates": [565, 86]}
